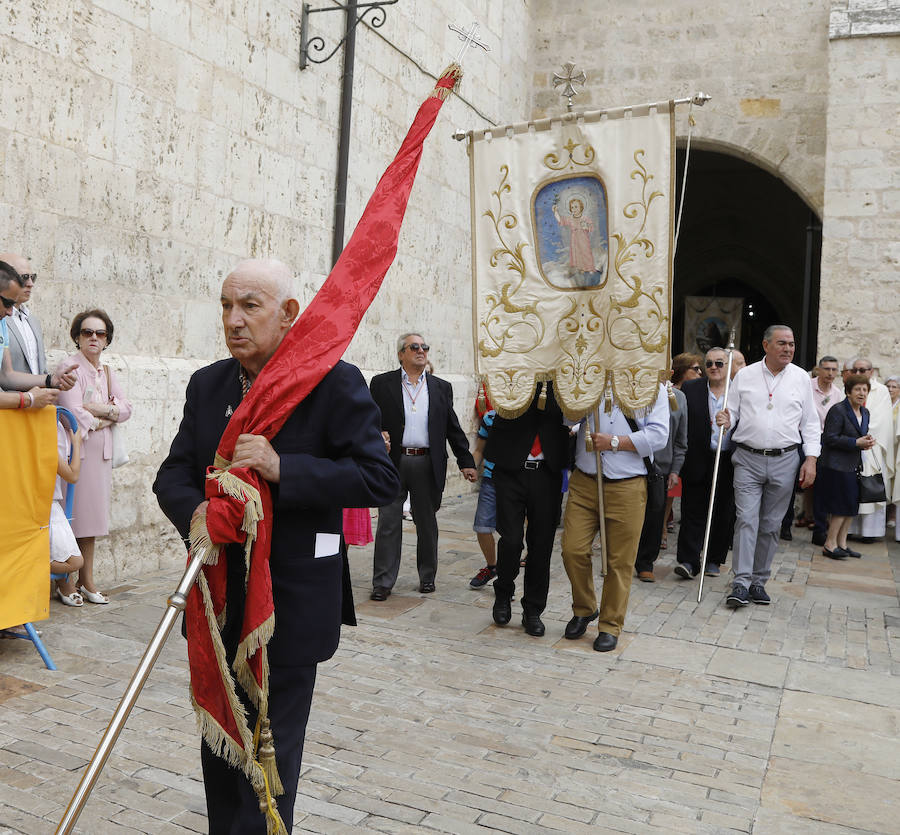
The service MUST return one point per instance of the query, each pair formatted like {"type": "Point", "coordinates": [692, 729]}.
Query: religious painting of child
{"type": "Point", "coordinates": [571, 232]}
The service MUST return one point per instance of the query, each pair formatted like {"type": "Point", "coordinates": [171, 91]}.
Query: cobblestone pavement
{"type": "Point", "coordinates": [779, 719]}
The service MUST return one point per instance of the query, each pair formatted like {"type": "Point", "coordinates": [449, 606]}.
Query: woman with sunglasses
{"type": "Point", "coordinates": [98, 402]}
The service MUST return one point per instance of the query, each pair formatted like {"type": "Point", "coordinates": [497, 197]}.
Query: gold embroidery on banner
{"type": "Point", "coordinates": [580, 370]}
{"type": "Point", "coordinates": [553, 162]}
{"type": "Point", "coordinates": [505, 320]}
{"type": "Point", "coordinates": [625, 331]}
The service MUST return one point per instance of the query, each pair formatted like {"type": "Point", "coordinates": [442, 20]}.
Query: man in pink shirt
{"type": "Point", "coordinates": [825, 395]}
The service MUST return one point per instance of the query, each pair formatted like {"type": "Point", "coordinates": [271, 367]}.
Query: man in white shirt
{"type": "Point", "coordinates": [26, 343]}
{"type": "Point", "coordinates": [624, 448]}
{"type": "Point", "coordinates": [825, 395]}
{"type": "Point", "coordinates": [771, 406]}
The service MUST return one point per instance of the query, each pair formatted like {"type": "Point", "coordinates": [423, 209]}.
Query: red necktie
{"type": "Point", "coordinates": [536, 447]}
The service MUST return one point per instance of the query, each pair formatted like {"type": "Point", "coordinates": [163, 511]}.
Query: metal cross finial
{"type": "Point", "coordinates": [570, 76]}
{"type": "Point", "coordinates": [469, 38]}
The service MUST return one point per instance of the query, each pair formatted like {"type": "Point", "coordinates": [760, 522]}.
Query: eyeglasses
{"type": "Point", "coordinates": [416, 346]}
{"type": "Point", "coordinates": [26, 276]}
{"type": "Point", "coordinates": [697, 368]}
{"type": "Point", "coordinates": [7, 303]}
{"type": "Point", "coordinates": [862, 370]}
{"type": "Point", "coordinates": [716, 363]}
{"type": "Point", "coordinates": [87, 333]}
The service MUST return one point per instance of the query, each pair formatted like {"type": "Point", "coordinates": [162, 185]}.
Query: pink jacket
{"type": "Point", "coordinates": [90, 387]}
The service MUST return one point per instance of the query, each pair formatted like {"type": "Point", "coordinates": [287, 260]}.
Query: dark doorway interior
{"type": "Point", "coordinates": [746, 234]}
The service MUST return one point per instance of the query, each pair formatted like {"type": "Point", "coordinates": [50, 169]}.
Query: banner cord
{"type": "Point", "coordinates": [687, 156]}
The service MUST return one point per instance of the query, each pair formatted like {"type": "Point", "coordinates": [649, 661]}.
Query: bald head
{"type": "Point", "coordinates": [275, 275]}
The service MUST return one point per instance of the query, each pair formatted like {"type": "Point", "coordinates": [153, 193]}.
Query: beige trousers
{"type": "Point", "coordinates": [623, 502]}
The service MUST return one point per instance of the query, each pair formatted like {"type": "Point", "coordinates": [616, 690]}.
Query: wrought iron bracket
{"type": "Point", "coordinates": [317, 44]}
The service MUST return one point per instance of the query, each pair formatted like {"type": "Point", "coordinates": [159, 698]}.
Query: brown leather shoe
{"type": "Point", "coordinates": [646, 577]}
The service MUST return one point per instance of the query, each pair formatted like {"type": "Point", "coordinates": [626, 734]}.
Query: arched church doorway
{"type": "Point", "coordinates": [748, 253]}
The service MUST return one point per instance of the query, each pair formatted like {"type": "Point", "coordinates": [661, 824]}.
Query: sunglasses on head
{"type": "Point", "coordinates": [415, 346]}
{"type": "Point", "coordinates": [7, 303]}
{"type": "Point", "coordinates": [87, 333]}
{"type": "Point", "coordinates": [716, 363]}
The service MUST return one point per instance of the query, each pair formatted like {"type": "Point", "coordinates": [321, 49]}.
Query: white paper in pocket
{"type": "Point", "coordinates": [327, 544]}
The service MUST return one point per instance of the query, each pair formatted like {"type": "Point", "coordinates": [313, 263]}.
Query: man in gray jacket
{"type": "Point", "coordinates": [26, 340]}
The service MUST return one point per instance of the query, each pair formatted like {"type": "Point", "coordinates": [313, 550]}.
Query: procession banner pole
{"type": "Point", "coordinates": [604, 564]}
{"type": "Point", "coordinates": [715, 476]}
{"type": "Point", "coordinates": [174, 605]}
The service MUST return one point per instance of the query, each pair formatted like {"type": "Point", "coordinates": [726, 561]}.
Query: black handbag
{"type": "Point", "coordinates": [871, 488]}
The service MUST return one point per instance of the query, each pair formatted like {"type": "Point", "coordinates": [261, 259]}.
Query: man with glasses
{"type": "Point", "coordinates": [705, 398]}
{"type": "Point", "coordinates": [418, 420]}
{"type": "Point", "coordinates": [825, 395]}
{"type": "Point", "coordinates": [26, 341]}
{"type": "Point", "coordinates": [11, 291]}
{"type": "Point", "coordinates": [771, 406]}
{"type": "Point", "coordinates": [872, 519]}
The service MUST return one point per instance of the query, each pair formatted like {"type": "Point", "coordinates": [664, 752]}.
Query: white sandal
{"type": "Point", "coordinates": [93, 596]}
{"type": "Point", "coordinates": [73, 599]}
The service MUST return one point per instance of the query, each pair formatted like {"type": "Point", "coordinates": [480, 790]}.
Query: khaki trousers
{"type": "Point", "coordinates": [624, 503]}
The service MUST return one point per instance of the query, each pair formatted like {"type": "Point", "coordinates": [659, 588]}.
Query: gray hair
{"type": "Point", "coordinates": [767, 336]}
{"type": "Point", "coordinates": [8, 275]}
{"type": "Point", "coordinates": [828, 358]}
{"type": "Point", "coordinates": [402, 339]}
{"type": "Point", "coordinates": [716, 348]}
{"type": "Point", "coordinates": [848, 366]}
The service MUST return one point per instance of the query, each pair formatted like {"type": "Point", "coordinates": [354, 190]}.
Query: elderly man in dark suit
{"type": "Point", "coordinates": [418, 421]}
{"type": "Point", "coordinates": [26, 340]}
{"type": "Point", "coordinates": [705, 397]}
{"type": "Point", "coordinates": [328, 455]}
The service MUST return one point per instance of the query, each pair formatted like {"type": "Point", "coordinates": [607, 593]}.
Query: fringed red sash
{"type": "Point", "coordinates": [240, 507]}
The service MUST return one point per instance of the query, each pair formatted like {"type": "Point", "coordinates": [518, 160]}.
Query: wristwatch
{"type": "Point", "coordinates": [614, 443]}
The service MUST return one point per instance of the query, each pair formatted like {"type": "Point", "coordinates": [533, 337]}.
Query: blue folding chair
{"type": "Point", "coordinates": [30, 632]}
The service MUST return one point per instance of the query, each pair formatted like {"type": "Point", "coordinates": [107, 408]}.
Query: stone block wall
{"type": "Point", "coordinates": [764, 63]}
{"type": "Point", "coordinates": [147, 145]}
{"type": "Point", "coordinates": [860, 304]}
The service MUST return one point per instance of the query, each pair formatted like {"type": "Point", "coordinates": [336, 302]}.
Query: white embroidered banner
{"type": "Point", "coordinates": [572, 243]}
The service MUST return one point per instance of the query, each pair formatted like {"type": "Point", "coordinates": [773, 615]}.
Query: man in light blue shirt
{"type": "Point", "coordinates": [624, 446]}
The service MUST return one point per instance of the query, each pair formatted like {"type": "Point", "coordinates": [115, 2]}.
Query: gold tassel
{"type": "Point", "coordinates": [542, 399]}
{"type": "Point", "coordinates": [265, 755]}
{"type": "Point", "coordinates": [673, 403]}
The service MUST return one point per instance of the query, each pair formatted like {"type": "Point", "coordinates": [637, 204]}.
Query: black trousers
{"type": "Point", "coordinates": [694, 508]}
{"type": "Point", "coordinates": [231, 802]}
{"type": "Point", "coordinates": [534, 495]}
{"type": "Point", "coordinates": [651, 533]}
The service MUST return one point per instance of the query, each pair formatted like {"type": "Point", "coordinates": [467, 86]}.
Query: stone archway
{"type": "Point", "coordinates": [747, 234]}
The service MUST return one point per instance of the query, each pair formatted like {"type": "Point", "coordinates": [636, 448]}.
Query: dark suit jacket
{"type": "Point", "coordinates": [17, 347]}
{"type": "Point", "coordinates": [511, 439]}
{"type": "Point", "coordinates": [332, 456]}
{"type": "Point", "coordinates": [839, 449]}
{"type": "Point", "coordinates": [700, 431]}
{"type": "Point", "coordinates": [443, 425]}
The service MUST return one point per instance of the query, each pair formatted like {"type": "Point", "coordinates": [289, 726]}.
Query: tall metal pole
{"type": "Point", "coordinates": [340, 198]}
{"type": "Point", "coordinates": [715, 476]}
{"type": "Point", "coordinates": [604, 560]}
{"type": "Point", "coordinates": [174, 605]}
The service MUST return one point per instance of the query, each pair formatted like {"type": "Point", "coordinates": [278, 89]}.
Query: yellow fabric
{"type": "Point", "coordinates": [577, 295]}
{"type": "Point", "coordinates": [27, 473]}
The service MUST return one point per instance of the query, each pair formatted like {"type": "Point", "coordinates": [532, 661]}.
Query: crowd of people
{"type": "Point", "coordinates": [783, 431]}
{"type": "Point", "coordinates": [89, 390]}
